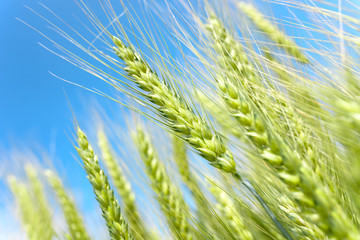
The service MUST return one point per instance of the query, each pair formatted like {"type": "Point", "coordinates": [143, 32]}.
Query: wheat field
{"type": "Point", "coordinates": [239, 123]}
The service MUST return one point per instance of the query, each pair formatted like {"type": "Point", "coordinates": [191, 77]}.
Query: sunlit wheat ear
{"type": "Point", "coordinates": [236, 78]}
{"type": "Point", "coordinates": [182, 120]}
{"type": "Point", "coordinates": [30, 220]}
{"type": "Point", "coordinates": [40, 202]}
{"type": "Point", "coordinates": [117, 227]}
{"type": "Point", "coordinates": [295, 172]}
{"type": "Point", "coordinates": [232, 58]}
{"type": "Point", "coordinates": [273, 32]}
{"type": "Point", "coordinates": [122, 186]}
{"type": "Point", "coordinates": [169, 197]}
{"type": "Point", "coordinates": [230, 215]}
{"type": "Point", "coordinates": [73, 218]}
{"type": "Point", "coordinates": [245, 103]}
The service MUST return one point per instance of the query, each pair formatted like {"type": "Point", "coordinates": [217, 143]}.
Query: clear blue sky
{"type": "Point", "coordinates": [34, 110]}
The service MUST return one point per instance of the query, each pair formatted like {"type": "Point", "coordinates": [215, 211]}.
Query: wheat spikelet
{"type": "Point", "coordinates": [117, 227]}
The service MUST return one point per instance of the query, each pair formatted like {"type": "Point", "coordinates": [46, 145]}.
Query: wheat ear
{"type": "Point", "coordinates": [273, 32]}
{"type": "Point", "coordinates": [30, 220]}
{"type": "Point", "coordinates": [72, 216]}
{"type": "Point", "coordinates": [122, 186]}
{"type": "Point", "coordinates": [240, 87]}
{"type": "Point", "coordinates": [174, 111]}
{"type": "Point", "coordinates": [117, 226]}
{"type": "Point", "coordinates": [181, 118]}
{"type": "Point", "coordinates": [169, 197]}
{"type": "Point", "coordinates": [297, 174]}
{"type": "Point", "coordinates": [231, 216]}
{"type": "Point", "coordinates": [40, 202]}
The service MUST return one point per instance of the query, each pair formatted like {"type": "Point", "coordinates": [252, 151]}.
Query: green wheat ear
{"type": "Point", "coordinates": [117, 226]}
{"type": "Point", "coordinates": [122, 186]}
{"type": "Point", "coordinates": [72, 216]}
{"type": "Point", "coordinates": [168, 196]}
{"type": "Point", "coordinates": [30, 220]}
{"type": "Point", "coordinates": [273, 32]}
{"type": "Point", "coordinates": [296, 172]}
{"type": "Point", "coordinates": [40, 202]}
{"type": "Point", "coordinates": [179, 116]}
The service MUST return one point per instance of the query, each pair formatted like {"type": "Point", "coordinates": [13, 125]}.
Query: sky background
{"type": "Point", "coordinates": [35, 112]}
{"type": "Point", "coordinates": [35, 107]}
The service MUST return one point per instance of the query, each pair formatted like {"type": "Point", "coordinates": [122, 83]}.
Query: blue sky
{"type": "Point", "coordinates": [32, 102]}
{"type": "Point", "coordinates": [34, 111]}
{"type": "Point", "coordinates": [36, 108]}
